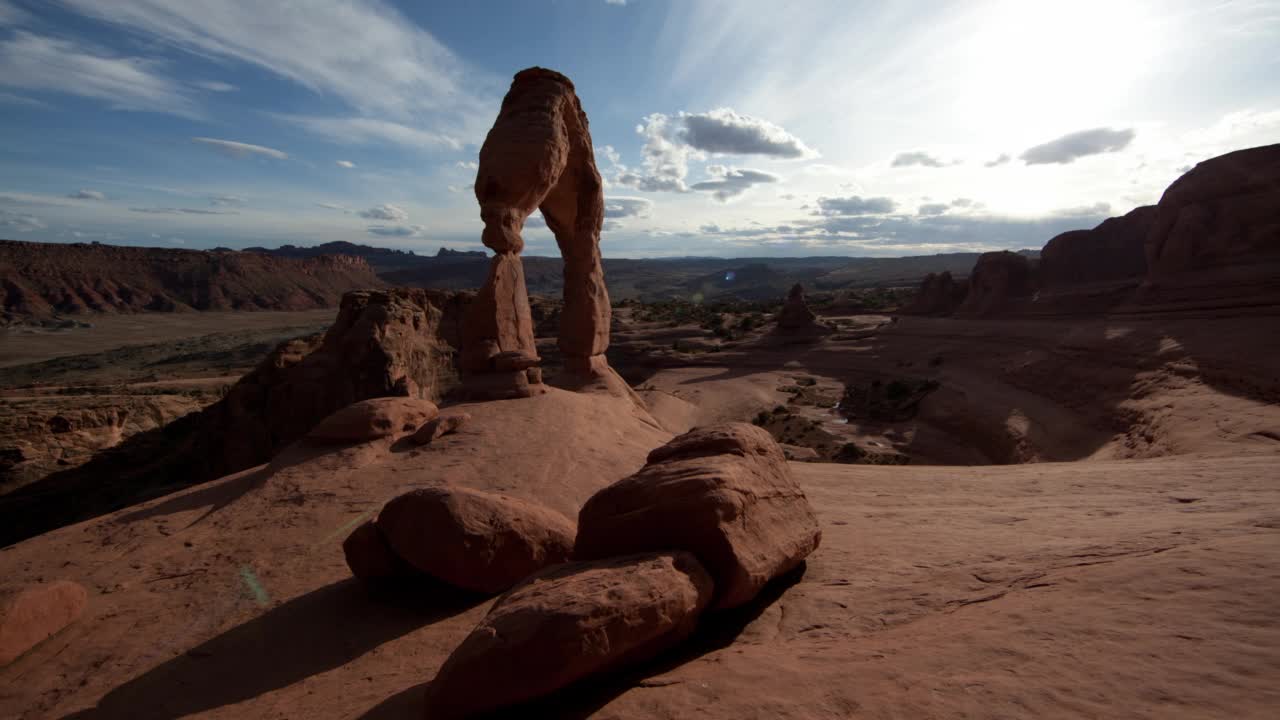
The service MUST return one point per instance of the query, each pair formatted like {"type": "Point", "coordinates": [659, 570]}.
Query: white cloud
{"type": "Point", "coordinates": [621, 207]}
{"type": "Point", "coordinates": [239, 149]}
{"type": "Point", "coordinates": [366, 131]}
{"type": "Point", "coordinates": [1002, 160]}
{"type": "Point", "coordinates": [619, 3]}
{"type": "Point", "coordinates": [385, 212]}
{"type": "Point", "coordinates": [1077, 145]}
{"type": "Point", "coordinates": [932, 209]}
{"type": "Point", "coordinates": [396, 230]}
{"type": "Point", "coordinates": [87, 195]}
{"type": "Point", "coordinates": [332, 206]}
{"type": "Point", "coordinates": [921, 158]}
{"type": "Point", "coordinates": [467, 164]}
{"type": "Point", "coordinates": [672, 141]}
{"type": "Point", "coordinates": [855, 205]}
{"type": "Point", "coordinates": [125, 83]}
{"type": "Point", "coordinates": [180, 211]}
{"type": "Point", "coordinates": [346, 164]}
{"type": "Point", "coordinates": [732, 182]}
{"type": "Point", "coordinates": [216, 86]}
{"type": "Point", "coordinates": [227, 200]}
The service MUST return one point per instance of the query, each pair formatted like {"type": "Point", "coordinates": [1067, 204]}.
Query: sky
{"type": "Point", "coordinates": [732, 129]}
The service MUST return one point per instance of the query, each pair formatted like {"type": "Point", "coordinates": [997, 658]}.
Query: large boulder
{"type": "Point", "coordinates": [1224, 211]}
{"type": "Point", "coordinates": [1112, 251]}
{"type": "Point", "coordinates": [568, 623]}
{"type": "Point", "coordinates": [373, 419]}
{"type": "Point", "coordinates": [722, 492]}
{"type": "Point", "coordinates": [939, 294]}
{"type": "Point", "coordinates": [369, 555]}
{"type": "Point", "coordinates": [475, 540]}
{"type": "Point", "coordinates": [795, 314]}
{"type": "Point", "coordinates": [999, 281]}
{"type": "Point", "coordinates": [29, 616]}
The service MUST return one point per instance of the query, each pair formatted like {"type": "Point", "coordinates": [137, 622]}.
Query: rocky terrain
{"type": "Point", "coordinates": [746, 509]}
{"type": "Point", "coordinates": [44, 281]}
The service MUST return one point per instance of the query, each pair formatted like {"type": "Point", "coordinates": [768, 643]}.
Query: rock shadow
{"type": "Point", "coordinates": [716, 631]}
{"type": "Point", "coordinates": [306, 636]}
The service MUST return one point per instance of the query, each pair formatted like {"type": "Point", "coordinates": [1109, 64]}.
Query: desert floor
{"type": "Point", "coordinates": [1122, 560]}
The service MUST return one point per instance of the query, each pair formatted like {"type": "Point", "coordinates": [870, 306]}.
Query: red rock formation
{"type": "Point", "coordinates": [41, 280]}
{"type": "Point", "coordinates": [474, 540]}
{"type": "Point", "coordinates": [1112, 251]}
{"type": "Point", "coordinates": [568, 623]}
{"type": "Point", "coordinates": [795, 314]}
{"type": "Point", "coordinates": [998, 282]}
{"type": "Point", "coordinates": [723, 493]}
{"type": "Point", "coordinates": [538, 155]}
{"type": "Point", "coordinates": [939, 294]}
{"type": "Point", "coordinates": [391, 343]}
{"type": "Point", "coordinates": [30, 615]}
{"type": "Point", "coordinates": [1223, 211]}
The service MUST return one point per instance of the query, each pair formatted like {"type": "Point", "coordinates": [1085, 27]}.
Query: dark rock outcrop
{"type": "Point", "coordinates": [1112, 251]}
{"type": "Point", "coordinates": [795, 315]}
{"type": "Point", "coordinates": [939, 294]}
{"type": "Point", "coordinates": [999, 282]}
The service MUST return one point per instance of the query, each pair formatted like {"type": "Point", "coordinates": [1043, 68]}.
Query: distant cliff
{"type": "Point", "coordinates": [43, 280]}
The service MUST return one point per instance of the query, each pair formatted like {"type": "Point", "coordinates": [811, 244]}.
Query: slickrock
{"type": "Point", "coordinates": [475, 540]}
{"type": "Point", "coordinates": [568, 623]}
{"type": "Point", "coordinates": [722, 492]}
{"type": "Point", "coordinates": [374, 418]}
{"type": "Point", "coordinates": [31, 615]}
{"type": "Point", "coordinates": [537, 156]}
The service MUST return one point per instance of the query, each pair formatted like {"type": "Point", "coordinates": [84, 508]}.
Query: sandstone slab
{"type": "Point", "coordinates": [369, 555]}
{"type": "Point", "coordinates": [31, 615]}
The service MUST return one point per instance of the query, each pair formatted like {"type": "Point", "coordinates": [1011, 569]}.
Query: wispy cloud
{"type": "Point", "coordinates": [345, 164]}
{"type": "Point", "coordinates": [728, 183]}
{"type": "Point", "coordinates": [35, 62]}
{"type": "Point", "coordinates": [216, 86]}
{"type": "Point", "coordinates": [396, 230]}
{"type": "Point", "coordinates": [239, 149]}
{"type": "Point", "coordinates": [921, 158]}
{"type": "Point", "coordinates": [385, 211]}
{"type": "Point", "coordinates": [87, 195]}
{"type": "Point", "coordinates": [180, 211]}
{"type": "Point", "coordinates": [332, 206]}
{"type": "Point", "coordinates": [367, 131]}
{"type": "Point", "coordinates": [11, 99]}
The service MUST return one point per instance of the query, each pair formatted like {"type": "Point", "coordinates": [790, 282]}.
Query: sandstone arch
{"type": "Point", "coordinates": [538, 155]}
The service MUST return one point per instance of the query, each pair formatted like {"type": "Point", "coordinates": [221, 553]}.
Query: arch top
{"type": "Point", "coordinates": [541, 73]}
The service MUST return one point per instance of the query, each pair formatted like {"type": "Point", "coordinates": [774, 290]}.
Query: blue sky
{"type": "Point", "coordinates": [721, 128]}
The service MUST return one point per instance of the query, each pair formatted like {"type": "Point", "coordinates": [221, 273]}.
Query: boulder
{"type": "Point", "coordinates": [475, 540]}
{"type": "Point", "coordinates": [999, 281]}
{"type": "Point", "coordinates": [31, 615]}
{"type": "Point", "coordinates": [443, 425]}
{"type": "Point", "coordinates": [722, 492]}
{"type": "Point", "coordinates": [568, 623]}
{"type": "Point", "coordinates": [370, 557]}
{"type": "Point", "coordinates": [373, 419]}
